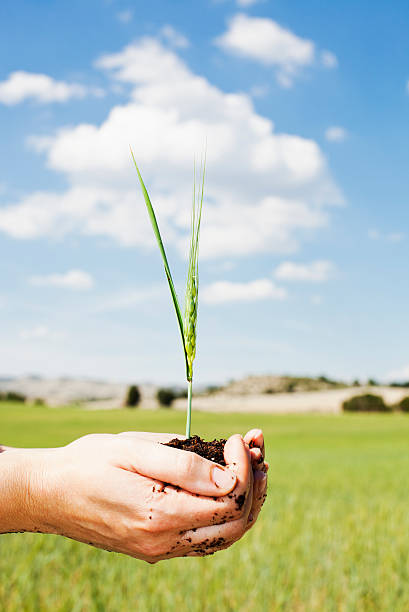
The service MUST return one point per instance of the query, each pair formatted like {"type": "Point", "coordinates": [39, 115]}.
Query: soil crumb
{"type": "Point", "coordinates": [209, 450]}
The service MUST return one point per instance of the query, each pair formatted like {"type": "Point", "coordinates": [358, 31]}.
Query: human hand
{"type": "Point", "coordinates": [110, 491]}
{"type": "Point", "coordinates": [255, 442]}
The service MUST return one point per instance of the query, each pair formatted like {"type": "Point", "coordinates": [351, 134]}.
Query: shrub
{"type": "Point", "coordinates": [404, 404]}
{"type": "Point", "coordinates": [133, 397]}
{"type": "Point", "coordinates": [365, 403]}
{"type": "Point", "coordinates": [181, 394]}
{"type": "Point", "coordinates": [166, 397]}
{"type": "Point", "coordinates": [12, 396]}
{"type": "Point", "coordinates": [39, 401]}
{"type": "Point", "coordinates": [213, 389]}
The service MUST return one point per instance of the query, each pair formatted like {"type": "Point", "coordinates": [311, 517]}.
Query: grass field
{"type": "Point", "coordinates": [333, 534]}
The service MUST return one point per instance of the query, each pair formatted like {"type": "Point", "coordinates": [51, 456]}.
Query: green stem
{"type": "Point", "coordinates": [189, 408]}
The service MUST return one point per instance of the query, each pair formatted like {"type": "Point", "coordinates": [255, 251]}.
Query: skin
{"type": "Point", "coordinates": [130, 494]}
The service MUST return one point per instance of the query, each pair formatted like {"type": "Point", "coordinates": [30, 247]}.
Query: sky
{"type": "Point", "coordinates": [303, 110]}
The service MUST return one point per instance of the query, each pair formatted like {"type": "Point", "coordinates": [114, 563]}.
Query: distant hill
{"type": "Point", "coordinates": [254, 385]}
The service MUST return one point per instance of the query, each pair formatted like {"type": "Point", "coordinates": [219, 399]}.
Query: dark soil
{"type": "Point", "coordinates": [209, 450]}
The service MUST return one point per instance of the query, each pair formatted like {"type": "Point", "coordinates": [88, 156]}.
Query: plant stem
{"type": "Point", "coordinates": [189, 407]}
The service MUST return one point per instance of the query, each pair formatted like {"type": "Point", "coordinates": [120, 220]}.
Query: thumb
{"type": "Point", "coordinates": [177, 467]}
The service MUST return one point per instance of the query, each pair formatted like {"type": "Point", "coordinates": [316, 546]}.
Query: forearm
{"type": "Point", "coordinates": [16, 497]}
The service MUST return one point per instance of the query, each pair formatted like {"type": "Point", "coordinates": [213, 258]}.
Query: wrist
{"type": "Point", "coordinates": [21, 486]}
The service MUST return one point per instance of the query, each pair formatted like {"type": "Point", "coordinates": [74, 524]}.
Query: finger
{"type": "Point", "coordinates": [162, 438]}
{"type": "Point", "coordinates": [210, 539]}
{"type": "Point", "coordinates": [180, 468]}
{"type": "Point", "coordinates": [237, 457]}
{"type": "Point", "coordinates": [259, 496]}
{"type": "Point", "coordinates": [255, 438]}
{"type": "Point", "coordinates": [256, 458]}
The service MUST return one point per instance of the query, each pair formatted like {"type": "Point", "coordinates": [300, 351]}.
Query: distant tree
{"type": "Point", "coordinates": [365, 403]}
{"type": "Point", "coordinates": [133, 397]}
{"type": "Point", "coordinates": [180, 393]}
{"type": "Point", "coordinates": [404, 404]}
{"type": "Point", "coordinates": [13, 396]}
{"type": "Point", "coordinates": [356, 383]}
{"type": "Point", "coordinates": [166, 397]}
{"type": "Point", "coordinates": [213, 389]}
{"type": "Point", "coordinates": [403, 385]}
{"type": "Point", "coordinates": [372, 382]}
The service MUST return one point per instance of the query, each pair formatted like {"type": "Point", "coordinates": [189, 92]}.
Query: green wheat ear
{"type": "Point", "coordinates": [187, 325]}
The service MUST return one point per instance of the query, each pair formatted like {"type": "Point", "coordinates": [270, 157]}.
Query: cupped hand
{"type": "Point", "coordinates": [129, 493]}
{"type": "Point", "coordinates": [254, 439]}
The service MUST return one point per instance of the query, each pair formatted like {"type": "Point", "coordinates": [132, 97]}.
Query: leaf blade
{"type": "Point", "coordinates": [158, 236]}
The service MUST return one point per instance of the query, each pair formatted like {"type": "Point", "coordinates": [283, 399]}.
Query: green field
{"type": "Point", "coordinates": [333, 534]}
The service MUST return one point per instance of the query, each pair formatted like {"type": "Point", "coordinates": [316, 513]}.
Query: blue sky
{"type": "Point", "coordinates": [305, 238]}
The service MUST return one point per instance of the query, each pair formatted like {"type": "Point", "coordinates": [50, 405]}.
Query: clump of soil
{"type": "Point", "coordinates": [209, 450]}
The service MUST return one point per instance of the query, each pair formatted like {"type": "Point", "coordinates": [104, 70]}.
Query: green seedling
{"type": "Point", "coordinates": [188, 322]}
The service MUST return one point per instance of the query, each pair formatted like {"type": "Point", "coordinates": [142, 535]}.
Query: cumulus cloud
{"type": "Point", "coordinates": [225, 291]}
{"type": "Point", "coordinates": [336, 133]}
{"type": "Point", "coordinates": [21, 86]}
{"type": "Point", "coordinates": [394, 237]}
{"type": "Point", "coordinates": [264, 189]}
{"type": "Point", "coordinates": [73, 279]}
{"type": "Point", "coordinates": [329, 59]}
{"type": "Point", "coordinates": [36, 333]}
{"type": "Point", "coordinates": [314, 272]}
{"type": "Point", "coordinates": [316, 300]}
{"type": "Point", "coordinates": [173, 37]}
{"type": "Point", "coordinates": [246, 3]}
{"type": "Point", "coordinates": [125, 16]}
{"type": "Point", "coordinates": [264, 40]}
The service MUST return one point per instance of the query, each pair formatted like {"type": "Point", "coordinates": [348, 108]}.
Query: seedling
{"type": "Point", "coordinates": [188, 322]}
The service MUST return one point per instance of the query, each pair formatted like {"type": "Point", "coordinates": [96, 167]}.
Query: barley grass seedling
{"type": "Point", "coordinates": [188, 323]}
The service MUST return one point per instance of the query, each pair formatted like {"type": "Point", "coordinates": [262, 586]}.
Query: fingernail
{"type": "Point", "coordinates": [223, 479]}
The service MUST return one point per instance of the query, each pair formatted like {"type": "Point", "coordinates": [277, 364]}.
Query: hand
{"type": "Point", "coordinates": [255, 442]}
{"type": "Point", "coordinates": [110, 491]}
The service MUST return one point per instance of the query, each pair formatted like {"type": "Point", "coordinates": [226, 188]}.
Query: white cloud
{"type": "Point", "coordinates": [263, 191]}
{"type": "Point", "coordinates": [264, 40]}
{"type": "Point", "coordinates": [400, 375]}
{"type": "Point", "coordinates": [173, 37]}
{"type": "Point", "coordinates": [225, 291]}
{"type": "Point", "coordinates": [373, 234]}
{"type": "Point", "coordinates": [336, 133]}
{"type": "Point", "coordinates": [36, 333]}
{"type": "Point", "coordinates": [21, 86]}
{"type": "Point", "coordinates": [130, 298]}
{"type": "Point", "coordinates": [329, 59]}
{"type": "Point", "coordinates": [394, 237]}
{"type": "Point", "coordinates": [246, 3]}
{"type": "Point", "coordinates": [73, 279]}
{"type": "Point", "coordinates": [125, 16]}
{"type": "Point", "coordinates": [314, 272]}
{"type": "Point", "coordinates": [259, 91]}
